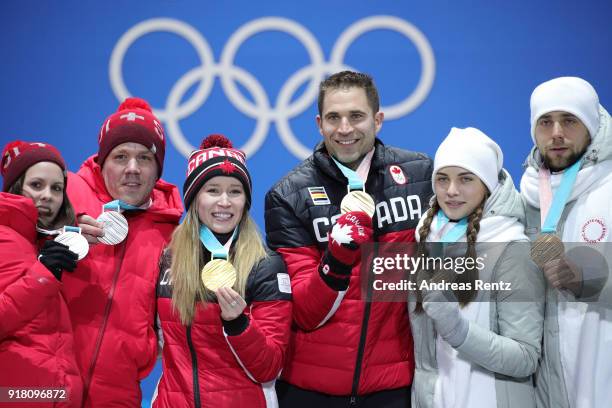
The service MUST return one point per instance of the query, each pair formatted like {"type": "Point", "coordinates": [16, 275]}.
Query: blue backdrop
{"type": "Point", "coordinates": [250, 69]}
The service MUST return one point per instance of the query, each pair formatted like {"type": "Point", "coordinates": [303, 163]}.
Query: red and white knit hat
{"type": "Point", "coordinates": [18, 156]}
{"type": "Point", "coordinates": [215, 157]}
{"type": "Point", "coordinates": [135, 122]}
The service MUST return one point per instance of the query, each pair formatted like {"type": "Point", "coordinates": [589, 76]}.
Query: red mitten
{"type": "Point", "coordinates": [343, 248]}
{"type": "Point", "coordinates": [350, 231]}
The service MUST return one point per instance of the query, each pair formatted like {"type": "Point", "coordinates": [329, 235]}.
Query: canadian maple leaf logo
{"type": "Point", "coordinates": [342, 234]}
{"type": "Point", "coordinates": [397, 174]}
{"type": "Point", "coordinates": [227, 167]}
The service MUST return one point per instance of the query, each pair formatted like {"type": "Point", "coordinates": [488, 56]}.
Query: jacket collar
{"type": "Point", "coordinates": [19, 214]}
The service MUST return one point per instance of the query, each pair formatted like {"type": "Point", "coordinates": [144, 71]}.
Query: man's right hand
{"type": "Point", "coordinates": [350, 231]}
{"type": "Point", "coordinates": [90, 228]}
{"type": "Point", "coordinates": [563, 274]}
{"type": "Point", "coordinates": [344, 248]}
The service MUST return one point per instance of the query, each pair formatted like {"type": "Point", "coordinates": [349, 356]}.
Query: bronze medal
{"type": "Point", "coordinates": [115, 227]}
{"type": "Point", "coordinates": [358, 201]}
{"type": "Point", "coordinates": [218, 273]}
{"type": "Point", "coordinates": [545, 248]}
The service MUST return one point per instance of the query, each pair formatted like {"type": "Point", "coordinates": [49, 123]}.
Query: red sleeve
{"type": "Point", "coordinates": [313, 299]}
{"type": "Point", "coordinates": [398, 236]}
{"type": "Point", "coordinates": [24, 291]}
{"type": "Point", "coordinates": [262, 347]}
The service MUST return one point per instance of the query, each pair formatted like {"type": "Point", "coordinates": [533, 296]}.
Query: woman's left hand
{"type": "Point", "coordinates": [231, 303]}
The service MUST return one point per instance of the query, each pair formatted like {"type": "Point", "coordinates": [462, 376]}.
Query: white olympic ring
{"type": "Point", "coordinates": [261, 109]}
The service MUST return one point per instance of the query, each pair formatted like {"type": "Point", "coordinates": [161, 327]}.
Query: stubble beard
{"type": "Point", "coordinates": [562, 163]}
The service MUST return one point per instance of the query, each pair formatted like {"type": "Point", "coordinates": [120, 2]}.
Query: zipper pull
{"type": "Point", "coordinates": [353, 401]}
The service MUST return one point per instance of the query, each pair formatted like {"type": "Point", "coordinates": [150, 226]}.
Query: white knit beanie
{"type": "Point", "coordinates": [567, 94]}
{"type": "Point", "coordinates": [474, 151]}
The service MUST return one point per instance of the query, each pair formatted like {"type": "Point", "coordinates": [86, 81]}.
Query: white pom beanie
{"type": "Point", "coordinates": [474, 151]}
{"type": "Point", "coordinates": [568, 94]}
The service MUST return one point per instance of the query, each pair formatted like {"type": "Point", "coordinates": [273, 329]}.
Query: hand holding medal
{"type": "Point", "coordinates": [90, 228]}
{"type": "Point", "coordinates": [548, 246]}
{"type": "Point", "coordinates": [113, 222]}
{"type": "Point", "coordinates": [74, 240]}
{"type": "Point", "coordinates": [231, 303]}
{"type": "Point", "coordinates": [71, 238]}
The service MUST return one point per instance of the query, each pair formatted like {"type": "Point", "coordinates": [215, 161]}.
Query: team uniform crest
{"type": "Point", "coordinates": [397, 174]}
{"type": "Point", "coordinates": [319, 196]}
{"type": "Point", "coordinates": [594, 230]}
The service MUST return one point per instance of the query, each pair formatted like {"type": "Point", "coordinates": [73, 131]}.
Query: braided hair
{"type": "Point", "coordinates": [471, 274]}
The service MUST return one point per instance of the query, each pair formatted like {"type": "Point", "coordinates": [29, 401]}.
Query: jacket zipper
{"type": "Point", "coordinates": [362, 339]}
{"type": "Point", "coordinates": [107, 310]}
{"type": "Point", "coordinates": [194, 363]}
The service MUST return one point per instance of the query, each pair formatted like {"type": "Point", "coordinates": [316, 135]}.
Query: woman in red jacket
{"type": "Point", "coordinates": [36, 344]}
{"type": "Point", "coordinates": [224, 317]}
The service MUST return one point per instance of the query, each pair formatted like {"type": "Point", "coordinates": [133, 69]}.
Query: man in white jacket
{"type": "Point", "coordinates": [567, 189]}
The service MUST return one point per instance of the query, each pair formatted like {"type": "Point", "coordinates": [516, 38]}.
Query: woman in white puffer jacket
{"type": "Point", "coordinates": [475, 348]}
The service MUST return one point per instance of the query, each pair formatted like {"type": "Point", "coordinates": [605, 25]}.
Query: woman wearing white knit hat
{"type": "Point", "coordinates": [475, 347]}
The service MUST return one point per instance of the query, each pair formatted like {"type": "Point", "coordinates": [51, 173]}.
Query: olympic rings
{"type": "Point", "coordinates": [261, 109]}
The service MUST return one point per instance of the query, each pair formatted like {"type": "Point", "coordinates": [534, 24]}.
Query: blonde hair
{"type": "Point", "coordinates": [189, 256]}
{"type": "Point", "coordinates": [471, 274]}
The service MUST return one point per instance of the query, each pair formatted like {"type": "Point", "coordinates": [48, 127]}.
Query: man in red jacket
{"type": "Point", "coordinates": [346, 350]}
{"type": "Point", "coordinates": [111, 294]}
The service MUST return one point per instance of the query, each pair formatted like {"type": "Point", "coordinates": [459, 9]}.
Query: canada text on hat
{"type": "Point", "coordinates": [215, 157]}
{"type": "Point", "coordinates": [200, 156]}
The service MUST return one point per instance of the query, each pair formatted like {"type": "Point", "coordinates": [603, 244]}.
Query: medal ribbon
{"type": "Point", "coordinates": [213, 245]}
{"type": "Point", "coordinates": [560, 198]}
{"type": "Point", "coordinates": [456, 232]}
{"type": "Point", "coordinates": [49, 232]}
{"type": "Point", "coordinates": [70, 228]}
{"type": "Point", "coordinates": [545, 193]}
{"type": "Point", "coordinates": [354, 181]}
{"type": "Point", "coordinates": [67, 228]}
{"type": "Point", "coordinates": [118, 205]}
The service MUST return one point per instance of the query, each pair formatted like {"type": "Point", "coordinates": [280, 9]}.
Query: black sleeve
{"type": "Point", "coordinates": [269, 280]}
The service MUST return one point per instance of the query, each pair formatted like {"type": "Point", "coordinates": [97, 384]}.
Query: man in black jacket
{"type": "Point", "coordinates": [345, 349]}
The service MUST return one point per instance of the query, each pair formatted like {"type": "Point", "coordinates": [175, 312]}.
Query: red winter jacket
{"type": "Point", "coordinates": [231, 366]}
{"type": "Point", "coordinates": [36, 343]}
{"type": "Point", "coordinates": [111, 294]}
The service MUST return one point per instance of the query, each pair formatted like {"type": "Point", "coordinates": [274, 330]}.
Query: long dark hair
{"type": "Point", "coordinates": [65, 215]}
{"type": "Point", "coordinates": [471, 274]}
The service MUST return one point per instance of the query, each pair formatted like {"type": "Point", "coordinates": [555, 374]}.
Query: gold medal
{"type": "Point", "coordinates": [545, 248]}
{"type": "Point", "coordinates": [218, 273]}
{"type": "Point", "coordinates": [357, 201]}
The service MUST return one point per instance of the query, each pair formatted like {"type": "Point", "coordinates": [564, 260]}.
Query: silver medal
{"type": "Point", "coordinates": [75, 242]}
{"type": "Point", "coordinates": [115, 227]}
